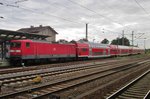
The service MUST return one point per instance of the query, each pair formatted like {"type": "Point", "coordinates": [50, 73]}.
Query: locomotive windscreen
{"type": "Point", "coordinates": [15, 44]}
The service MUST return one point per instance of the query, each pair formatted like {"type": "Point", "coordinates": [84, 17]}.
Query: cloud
{"type": "Point", "coordinates": [69, 18]}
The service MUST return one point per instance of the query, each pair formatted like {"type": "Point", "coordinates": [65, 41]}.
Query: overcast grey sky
{"type": "Point", "coordinates": [106, 18]}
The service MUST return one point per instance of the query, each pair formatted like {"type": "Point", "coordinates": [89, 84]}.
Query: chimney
{"type": "Point", "coordinates": [40, 25]}
{"type": "Point", "coordinates": [31, 26]}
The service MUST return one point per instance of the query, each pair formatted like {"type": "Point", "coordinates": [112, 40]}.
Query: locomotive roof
{"type": "Point", "coordinates": [92, 44]}
{"type": "Point", "coordinates": [42, 41]}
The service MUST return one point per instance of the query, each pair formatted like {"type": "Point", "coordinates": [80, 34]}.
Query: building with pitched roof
{"type": "Point", "coordinates": [41, 30]}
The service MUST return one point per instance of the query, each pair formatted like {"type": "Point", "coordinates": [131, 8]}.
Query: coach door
{"type": "Point", "coordinates": [90, 51]}
{"type": "Point", "coordinates": [104, 51]}
{"type": "Point", "coordinates": [108, 51]}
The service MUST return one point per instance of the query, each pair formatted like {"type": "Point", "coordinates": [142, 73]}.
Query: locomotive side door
{"type": "Point", "coordinates": [36, 50]}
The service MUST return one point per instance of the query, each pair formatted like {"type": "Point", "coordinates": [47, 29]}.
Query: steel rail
{"type": "Point", "coordinates": [63, 80]}
{"type": "Point", "coordinates": [6, 81]}
{"type": "Point", "coordinates": [123, 89]}
{"type": "Point", "coordinates": [20, 69]}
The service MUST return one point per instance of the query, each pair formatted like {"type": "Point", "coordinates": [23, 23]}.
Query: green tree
{"type": "Point", "coordinates": [119, 41]}
{"type": "Point", "coordinates": [105, 41]}
{"type": "Point", "coordinates": [62, 41]}
{"type": "Point", "coordinates": [83, 40]}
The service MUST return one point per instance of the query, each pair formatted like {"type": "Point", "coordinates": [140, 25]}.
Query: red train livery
{"type": "Point", "coordinates": [36, 50]}
{"type": "Point", "coordinates": [30, 49]}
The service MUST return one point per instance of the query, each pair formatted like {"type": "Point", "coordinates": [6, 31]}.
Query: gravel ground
{"type": "Point", "coordinates": [75, 91]}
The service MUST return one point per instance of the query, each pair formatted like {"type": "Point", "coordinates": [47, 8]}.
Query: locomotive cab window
{"type": "Point", "coordinates": [15, 44]}
{"type": "Point", "coordinates": [27, 45]}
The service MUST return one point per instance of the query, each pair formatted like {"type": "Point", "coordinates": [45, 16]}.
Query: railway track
{"type": "Point", "coordinates": [99, 88]}
{"type": "Point", "coordinates": [27, 76]}
{"type": "Point", "coordinates": [22, 69]}
{"type": "Point", "coordinates": [7, 70]}
{"type": "Point", "coordinates": [139, 88]}
{"type": "Point", "coordinates": [44, 89]}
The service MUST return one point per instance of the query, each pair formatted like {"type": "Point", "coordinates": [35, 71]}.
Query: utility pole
{"type": "Point", "coordinates": [122, 37]}
{"type": "Point", "coordinates": [87, 31]}
{"type": "Point", "coordinates": [132, 38]}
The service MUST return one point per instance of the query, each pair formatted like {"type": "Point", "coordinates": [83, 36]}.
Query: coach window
{"type": "Point", "coordinates": [84, 49]}
{"type": "Point", "coordinates": [28, 45]}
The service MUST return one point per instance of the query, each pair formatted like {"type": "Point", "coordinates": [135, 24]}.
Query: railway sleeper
{"type": "Point", "coordinates": [133, 93]}
{"type": "Point", "coordinates": [130, 96]}
{"type": "Point", "coordinates": [125, 97]}
{"type": "Point", "coordinates": [139, 92]}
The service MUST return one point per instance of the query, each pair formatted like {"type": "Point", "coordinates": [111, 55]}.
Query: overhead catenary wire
{"type": "Point", "coordinates": [59, 16]}
{"type": "Point", "coordinates": [105, 17]}
{"type": "Point", "coordinates": [33, 11]}
{"type": "Point", "coordinates": [94, 12]}
{"type": "Point", "coordinates": [86, 9]}
{"type": "Point", "coordinates": [11, 5]}
{"type": "Point", "coordinates": [58, 5]}
{"type": "Point", "coordinates": [141, 7]}
{"type": "Point", "coordinates": [20, 1]}
{"type": "Point", "coordinates": [71, 11]}
{"type": "Point", "coordinates": [1, 3]}
{"type": "Point", "coordinates": [98, 14]}
{"type": "Point", "coordinates": [49, 14]}
{"type": "Point", "coordinates": [1, 17]}
{"type": "Point", "coordinates": [139, 36]}
{"type": "Point", "coordinates": [43, 13]}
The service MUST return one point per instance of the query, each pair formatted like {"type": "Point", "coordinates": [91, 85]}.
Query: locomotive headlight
{"type": "Point", "coordinates": [18, 50]}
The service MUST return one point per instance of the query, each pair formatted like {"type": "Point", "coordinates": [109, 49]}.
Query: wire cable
{"type": "Point", "coordinates": [141, 7]}
{"type": "Point", "coordinates": [41, 13]}
{"type": "Point", "coordinates": [94, 12]}
{"type": "Point", "coordinates": [20, 1]}
{"type": "Point", "coordinates": [1, 17]}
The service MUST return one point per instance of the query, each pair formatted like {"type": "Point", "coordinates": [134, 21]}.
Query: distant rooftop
{"type": "Point", "coordinates": [33, 29]}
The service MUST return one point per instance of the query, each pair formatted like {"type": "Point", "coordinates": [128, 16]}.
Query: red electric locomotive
{"type": "Point", "coordinates": [34, 50]}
